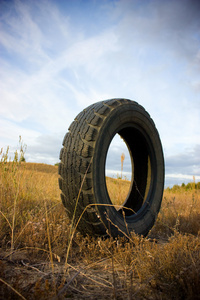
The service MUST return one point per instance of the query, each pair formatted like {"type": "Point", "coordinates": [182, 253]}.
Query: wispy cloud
{"type": "Point", "coordinates": [58, 57]}
{"type": "Point", "coordinates": [171, 25]}
{"type": "Point", "coordinates": [186, 163]}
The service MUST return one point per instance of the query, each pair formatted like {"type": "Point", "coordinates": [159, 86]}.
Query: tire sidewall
{"type": "Point", "coordinates": [127, 115]}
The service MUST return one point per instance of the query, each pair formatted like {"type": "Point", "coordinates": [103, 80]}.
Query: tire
{"type": "Point", "coordinates": [82, 168]}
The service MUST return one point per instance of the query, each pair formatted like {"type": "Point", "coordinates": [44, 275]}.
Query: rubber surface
{"type": "Point", "coordinates": [82, 169]}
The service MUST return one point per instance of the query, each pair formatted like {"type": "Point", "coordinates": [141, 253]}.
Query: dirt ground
{"type": "Point", "coordinates": [25, 277]}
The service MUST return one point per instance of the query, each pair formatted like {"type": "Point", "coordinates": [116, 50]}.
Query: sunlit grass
{"type": "Point", "coordinates": [117, 189]}
{"type": "Point", "coordinates": [33, 222]}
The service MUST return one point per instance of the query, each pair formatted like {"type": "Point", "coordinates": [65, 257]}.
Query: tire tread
{"type": "Point", "coordinates": [76, 163]}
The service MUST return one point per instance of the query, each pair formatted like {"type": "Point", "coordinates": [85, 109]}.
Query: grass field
{"type": "Point", "coordinates": [39, 260]}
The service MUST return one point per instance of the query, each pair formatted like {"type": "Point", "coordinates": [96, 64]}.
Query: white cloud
{"type": "Point", "coordinates": [53, 65]}
{"type": "Point", "coordinates": [38, 89]}
{"type": "Point", "coordinates": [183, 176]}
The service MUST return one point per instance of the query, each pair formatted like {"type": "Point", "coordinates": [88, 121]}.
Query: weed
{"type": "Point", "coordinates": [43, 256]}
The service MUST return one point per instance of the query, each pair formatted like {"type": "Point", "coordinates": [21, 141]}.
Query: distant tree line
{"type": "Point", "coordinates": [186, 187]}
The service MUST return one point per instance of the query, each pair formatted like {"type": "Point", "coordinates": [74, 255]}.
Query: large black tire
{"type": "Point", "coordinates": [82, 168]}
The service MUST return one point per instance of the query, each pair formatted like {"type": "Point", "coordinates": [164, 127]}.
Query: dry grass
{"type": "Point", "coordinates": [180, 212]}
{"type": "Point", "coordinates": [35, 232]}
{"type": "Point", "coordinates": [117, 189]}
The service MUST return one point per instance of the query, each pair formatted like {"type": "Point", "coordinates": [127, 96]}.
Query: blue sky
{"type": "Point", "coordinates": [58, 57]}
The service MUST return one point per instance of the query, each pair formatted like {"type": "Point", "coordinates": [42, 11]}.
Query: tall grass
{"type": "Point", "coordinates": [35, 240]}
{"type": "Point", "coordinates": [117, 189]}
{"type": "Point", "coordinates": [29, 198]}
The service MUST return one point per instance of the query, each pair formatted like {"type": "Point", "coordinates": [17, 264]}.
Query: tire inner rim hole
{"type": "Point", "coordinates": [128, 171]}
{"type": "Point", "coordinates": [118, 171]}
